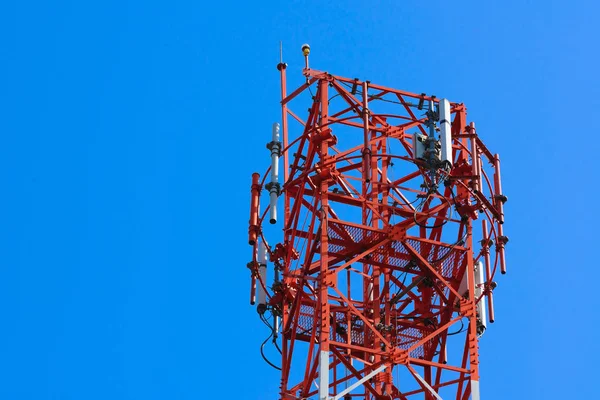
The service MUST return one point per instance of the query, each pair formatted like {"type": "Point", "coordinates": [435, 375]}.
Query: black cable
{"type": "Point", "coordinates": [346, 84]}
{"type": "Point", "coordinates": [273, 333]}
{"type": "Point", "coordinates": [311, 92]}
{"type": "Point", "coordinates": [405, 276]}
{"type": "Point", "coordinates": [457, 243]}
{"type": "Point", "coordinates": [405, 203]}
{"type": "Point", "coordinates": [462, 325]}
{"type": "Point", "coordinates": [454, 200]}
{"type": "Point", "coordinates": [332, 97]}
{"type": "Point", "coordinates": [386, 100]}
{"type": "Point", "coordinates": [374, 98]}
{"type": "Point", "coordinates": [264, 320]}
{"type": "Point", "coordinates": [263, 354]}
{"type": "Point", "coordinates": [423, 203]}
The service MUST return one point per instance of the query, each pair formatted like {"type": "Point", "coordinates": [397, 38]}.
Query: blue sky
{"type": "Point", "coordinates": [128, 133]}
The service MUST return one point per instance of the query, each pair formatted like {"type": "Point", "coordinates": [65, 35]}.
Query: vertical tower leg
{"type": "Point", "coordinates": [475, 390]}
{"type": "Point", "coordinates": [324, 265]}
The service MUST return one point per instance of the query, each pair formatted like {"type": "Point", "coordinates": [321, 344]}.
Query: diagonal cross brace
{"type": "Point", "coordinates": [424, 383]}
{"type": "Point", "coordinates": [357, 384]}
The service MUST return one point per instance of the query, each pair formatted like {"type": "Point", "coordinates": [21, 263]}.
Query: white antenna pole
{"type": "Point", "coordinates": [481, 312]}
{"type": "Point", "coordinates": [273, 187]}
{"type": "Point", "coordinates": [445, 131]}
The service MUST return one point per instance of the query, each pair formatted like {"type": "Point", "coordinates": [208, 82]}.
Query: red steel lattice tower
{"type": "Point", "coordinates": [382, 281]}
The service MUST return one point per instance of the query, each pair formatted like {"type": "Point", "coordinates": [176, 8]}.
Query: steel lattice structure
{"type": "Point", "coordinates": [386, 260]}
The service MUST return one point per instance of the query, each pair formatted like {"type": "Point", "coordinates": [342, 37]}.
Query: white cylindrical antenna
{"type": "Point", "coordinates": [262, 273]}
{"type": "Point", "coordinates": [446, 132]}
{"type": "Point", "coordinates": [273, 209]}
{"type": "Point", "coordinates": [275, 324]}
{"type": "Point", "coordinates": [275, 152]}
{"type": "Point", "coordinates": [273, 187]}
{"type": "Point", "coordinates": [479, 286]}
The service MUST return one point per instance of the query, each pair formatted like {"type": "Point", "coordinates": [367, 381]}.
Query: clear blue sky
{"type": "Point", "coordinates": [128, 133]}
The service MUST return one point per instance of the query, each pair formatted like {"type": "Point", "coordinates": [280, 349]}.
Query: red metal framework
{"type": "Point", "coordinates": [376, 292]}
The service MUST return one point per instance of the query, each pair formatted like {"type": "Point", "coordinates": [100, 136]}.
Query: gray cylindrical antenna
{"type": "Point", "coordinates": [262, 273]}
{"type": "Point", "coordinates": [273, 187]}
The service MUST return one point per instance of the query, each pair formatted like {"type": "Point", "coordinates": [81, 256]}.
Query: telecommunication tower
{"type": "Point", "coordinates": [392, 215]}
